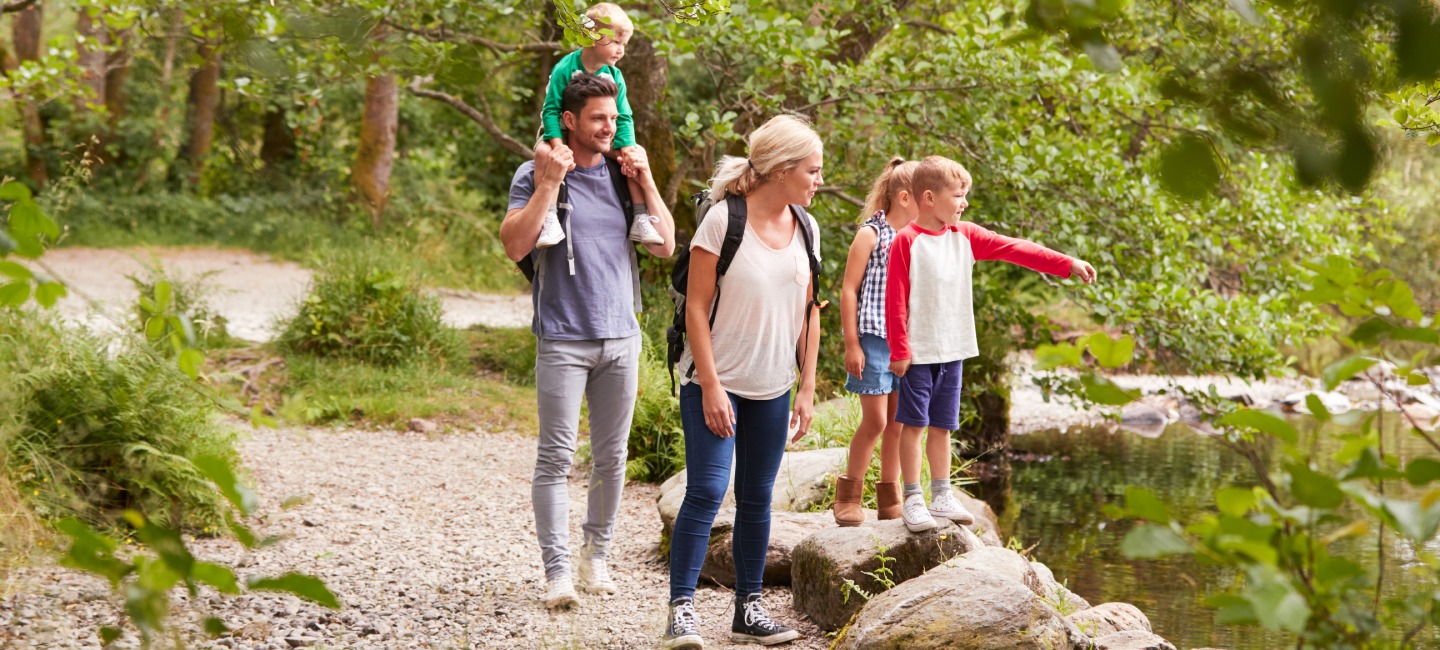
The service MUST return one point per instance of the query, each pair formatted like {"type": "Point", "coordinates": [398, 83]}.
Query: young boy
{"type": "Point", "coordinates": [598, 59]}
{"type": "Point", "coordinates": [930, 324]}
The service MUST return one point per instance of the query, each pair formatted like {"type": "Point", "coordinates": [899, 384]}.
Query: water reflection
{"type": "Point", "coordinates": [1057, 484]}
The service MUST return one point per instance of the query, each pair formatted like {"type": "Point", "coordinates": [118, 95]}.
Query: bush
{"type": "Point", "coordinates": [657, 441]}
{"type": "Point", "coordinates": [89, 433]}
{"type": "Point", "coordinates": [506, 351]}
{"type": "Point", "coordinates": [365, 307]}
{"type": "Point", "coordinates": [189, 298]}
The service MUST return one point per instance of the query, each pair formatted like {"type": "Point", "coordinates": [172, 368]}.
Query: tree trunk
{"type": "Point", "coordinates": [549, 31]}
{"type": "Point", "coordinates": [370, 174]}
{"type": "Point", "coordinates": [117, 99]}
{"type": "Point", "coordinates": [200, 114]}
{"type": "Point", "coordinates": [91, 38]}
{"type": "Point", "coordinates": [647, 77]}
{"type": "Point", "coordinates": [25, 30]}
{"type": "Point", "coordinates": [277, 149]}
{"type": "Point", "coordinates": [866, 29]}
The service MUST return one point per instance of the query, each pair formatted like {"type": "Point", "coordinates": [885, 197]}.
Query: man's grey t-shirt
{"type": "Point", "coordinates": [598, 302]}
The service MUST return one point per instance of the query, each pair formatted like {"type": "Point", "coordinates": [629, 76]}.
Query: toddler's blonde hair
{"type": "Point", "coordinates": [619, 22]}
{"type": "Point", "coordinates": [897, 175]}
{"type": "Point", "coordinates": [780, 144]}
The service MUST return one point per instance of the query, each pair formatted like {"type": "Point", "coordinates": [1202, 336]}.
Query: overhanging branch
{"type": "Point", "coordinates": [481, 117]}
{"type": "Point", "coordinates": [840, 194]}
{"type": "Point", "coordinates": [17, 5]}
{"type": "Point", "coordinates": [443, 35]}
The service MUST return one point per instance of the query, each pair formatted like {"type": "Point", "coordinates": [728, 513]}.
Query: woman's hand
{"type": "Point", "coordinates": [719, 413]}
{"type": "Point", "coordinates": [855, 360]}
{"type": "Point", "coordinates": [802, 413]}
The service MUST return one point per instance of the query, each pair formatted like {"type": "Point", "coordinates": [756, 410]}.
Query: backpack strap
{"type": "Point", "coordinates": [621, 183]}
{"type": "Point", "coordinates": [734, 234]}
{"type": "Point", "coordinates": [809, 240]}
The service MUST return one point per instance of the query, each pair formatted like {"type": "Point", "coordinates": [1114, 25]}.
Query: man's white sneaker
{"type": "Point", "coordinates": [560, 593]}
{"type": "Point", "coordinates": [550, 233]}
{"type": "Point", "coordinates": [916, 516]}
{"type": "Point", "coordinates": [594, 575]}
{"type": "Point", "coordinates": [946, 506]}
{"type": "Point", "coordinates": [643, 230]}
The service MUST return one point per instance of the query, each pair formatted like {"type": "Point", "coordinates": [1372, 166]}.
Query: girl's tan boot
{"type": "Point", "coordinates": [847, 501]}
{"type": "Point", "coordinates": [888, 500]}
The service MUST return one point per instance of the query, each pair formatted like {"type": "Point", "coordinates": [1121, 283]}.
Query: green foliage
{"type": "Point", "coordinates": [656, 447]}
{"type": "Point", "coordinates": [365, 307]}
{"type": "Point", "coordinates": [508, 352]}
{"type": "Point", "coordinates": [88, 432]}
{"type": "Point", "coordinates": [175, 312]}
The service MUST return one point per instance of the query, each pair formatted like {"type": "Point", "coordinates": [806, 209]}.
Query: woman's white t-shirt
{"type": "Point", "coordinates": [761, 311]}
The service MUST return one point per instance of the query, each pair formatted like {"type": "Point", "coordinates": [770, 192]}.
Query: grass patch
{"type": "Point", "coordinates": [90, 431]}
{"type": "Point", "coordinates": [508, 352]}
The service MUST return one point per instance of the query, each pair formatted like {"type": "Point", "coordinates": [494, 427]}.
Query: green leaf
{"type": "Point", "coordinates": [219, 577]}
{"type": "Point", "coordinates": [1064, 355]}
{"type": "Point", "coordinates": [154, 328]}
{"type": "Point", "coordinates": [190, 360]}
{"type": "Point", "coordinates": [1317, 407]}
{"type": "Point", "coordinates": [146, 607]}
{"type": "Point", "coordinates": [15, 270]}
{"type": "Point", "coordinates": [219, 471]}
{"type": "Point", "coordinates": [1332, 570]}
{"type": "Point", "coordinates": [1148, 541]}
{"type": "Point", "coordinates": [14, 294]}
{"type": "Point", "coordinates": [108, 634]}
{"type": "Point", "coordinates": [162, 295]}
{"type": "Point", "coordinates": [26, 220]}
{"type": "Point", "coordinates": [1111, 353]}
{"type": "Point", "coordinates": [1370, 465]}
{"type": "Point", "coordinates": [1422, 471]}
{"type": "Point", "coordinates": [92, 552]}
{"type": "Point", "coordinates": [1416, 522]}
{"type": "Point", "coordinates": [14, 190]}
{"type": "Point", "coordinates": [307, 587]}
{"type": "Point", "coordinates": [169, 546]}
{"type": "Point", "coordinates": [1343, 369]}
{"type": "Point", "coordinates": [1235, 501]}
{"type": "Point", "coordinates": [1276, 603]}
{"type": "Point", "coordinates": [1263, 422]}
{"type": "Point", "coordinates": [1103, 391]}
{"type": "Point", "coordinates": [215, 627]}
{"type": "Point", "coordinates": [1314, 489]}
{"type": "Point", "coordinates": [1141, 503]}
{"type": "Point", "coordinates": [49, 293]}
{"type": "Point", "coordinates": [1188, 168]}
{"type": "Point", "coordinates": [242, 533]}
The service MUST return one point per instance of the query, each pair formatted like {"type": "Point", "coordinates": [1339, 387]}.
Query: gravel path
{"type": "Point", "coordinates": [428, 541]}
{"type": "Point", "coordinates": [253, 292]}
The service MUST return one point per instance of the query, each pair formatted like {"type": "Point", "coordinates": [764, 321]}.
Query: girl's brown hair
{"type": "Point", "coordinates": [895, 177]}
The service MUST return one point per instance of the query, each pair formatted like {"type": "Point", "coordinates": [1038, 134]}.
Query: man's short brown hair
{"type": "Point", "coordinates": [937, 173]}
{"type": "Point", "coordinates": [582, 88]}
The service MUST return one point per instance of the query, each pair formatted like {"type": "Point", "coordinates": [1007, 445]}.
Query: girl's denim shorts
{"type": "Point", "coordinates": [876, 377]}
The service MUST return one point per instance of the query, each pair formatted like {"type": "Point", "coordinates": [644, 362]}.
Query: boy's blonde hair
{"type": "Point", "coordinates": [619, 22]}
{"type": "Point", "coordinates": [937, 173]}
{"type": "Point", "coordinates": [780, 144]}
{"type": "Point", "coordinates": [897, 176]}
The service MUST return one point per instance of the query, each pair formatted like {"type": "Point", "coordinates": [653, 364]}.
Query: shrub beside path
{"type": "Point", "coordinates": [427, 540]}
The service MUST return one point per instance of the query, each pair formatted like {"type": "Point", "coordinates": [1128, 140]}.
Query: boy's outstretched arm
{"type": "Point", "coordinates": [987, 245]}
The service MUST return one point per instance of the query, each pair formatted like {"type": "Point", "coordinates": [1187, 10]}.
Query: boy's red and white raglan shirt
{"type": "Point", "coordinates": [929, 307]}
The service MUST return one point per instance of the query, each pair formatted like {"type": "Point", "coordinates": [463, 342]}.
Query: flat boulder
{"type": "Point", "coordinates": [830, 565]}
{"type": "Point", "coordinates": [787, 530]}
{"type": "Point", "coordinates": [1059, 596]}
{"type": "Point", "coordinates": [1132, 640]}
{"type": "Point", "coordinates": [1110, 618]}
{"type": "Point", "coordinates": [962, 607]}
{"type": "Point", "coordinates": [803, 482]}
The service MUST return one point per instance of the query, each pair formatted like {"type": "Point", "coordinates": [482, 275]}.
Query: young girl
{"type": "Point", "coordinates": [890, 206]}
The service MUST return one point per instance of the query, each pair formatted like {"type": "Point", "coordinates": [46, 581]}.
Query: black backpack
{"type": "Point", "coordinates": [627, 204]}
{"type": "Point", "coordinates": [734, 233]}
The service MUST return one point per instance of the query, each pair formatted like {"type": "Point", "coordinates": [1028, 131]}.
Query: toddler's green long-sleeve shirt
{"type": "Point", "coordinates": [560, 78]}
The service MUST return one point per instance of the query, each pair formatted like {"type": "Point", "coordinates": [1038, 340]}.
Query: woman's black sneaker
{"type": "Point", "coordinates": [683, 631]}
{"type": "Point", "coordinates": [753, 625]}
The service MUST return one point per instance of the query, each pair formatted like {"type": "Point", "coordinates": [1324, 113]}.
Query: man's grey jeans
{"type": "Point", "coordinates": [606, 373]}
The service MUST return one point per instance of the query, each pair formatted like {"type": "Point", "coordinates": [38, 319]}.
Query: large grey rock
{"type": "Point", "coordinates": [1002, 562]}
{"type": "Point", "coordinates": [787, 530]}
{"type": "Point", "coordinates": [1109, 618]}
{"type": "Point", "coordinates": [987, 525]}
{"type": "Point", "coordinates": [1132, 640]}
{"type": "Point", "coordinates": [803, 482]}
{"type": "Point", "coordinates": [965, 607]}
{"type": "Point", "coordinates": [1059, 596]}
{"type": "Point", "coordinates": [825, 560]}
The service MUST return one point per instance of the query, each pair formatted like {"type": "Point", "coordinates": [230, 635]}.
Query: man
{"type": "Point", "coordinates": [586, 294]}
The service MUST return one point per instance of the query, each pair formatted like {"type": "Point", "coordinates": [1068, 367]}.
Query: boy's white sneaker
{"type": "Point", "coordinates": [550, 233]}
{"type": "Point", "coordinates": [594, 575]}
{"type": "Point", "coordinates": [946, 506]}
{"type": "Point", "coordinates": [916, 516]}
{"type": "Point", "coordinates": [643, 230]}
{"type": "Point", "coordinates": [560, 593]}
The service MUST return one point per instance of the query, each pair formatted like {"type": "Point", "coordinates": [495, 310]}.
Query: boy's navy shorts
{"type": "Point", "coordinates": [930, 395]}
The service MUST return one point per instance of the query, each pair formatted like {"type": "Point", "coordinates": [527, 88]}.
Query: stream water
{"type": "Point", "coordinates": [1060, 482]}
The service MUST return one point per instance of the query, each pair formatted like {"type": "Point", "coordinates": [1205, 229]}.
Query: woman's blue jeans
{"type": "Point", "coordinates": [757, 448]}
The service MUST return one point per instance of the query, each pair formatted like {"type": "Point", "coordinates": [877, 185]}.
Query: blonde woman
{"type": "Point", "coordinates": [736, 404]}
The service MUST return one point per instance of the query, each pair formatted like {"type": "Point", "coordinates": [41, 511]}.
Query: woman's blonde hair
{"type": "Point", "coordinates": [895, 177]}
{"type": "Point", "coordinates": [779, 145]}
